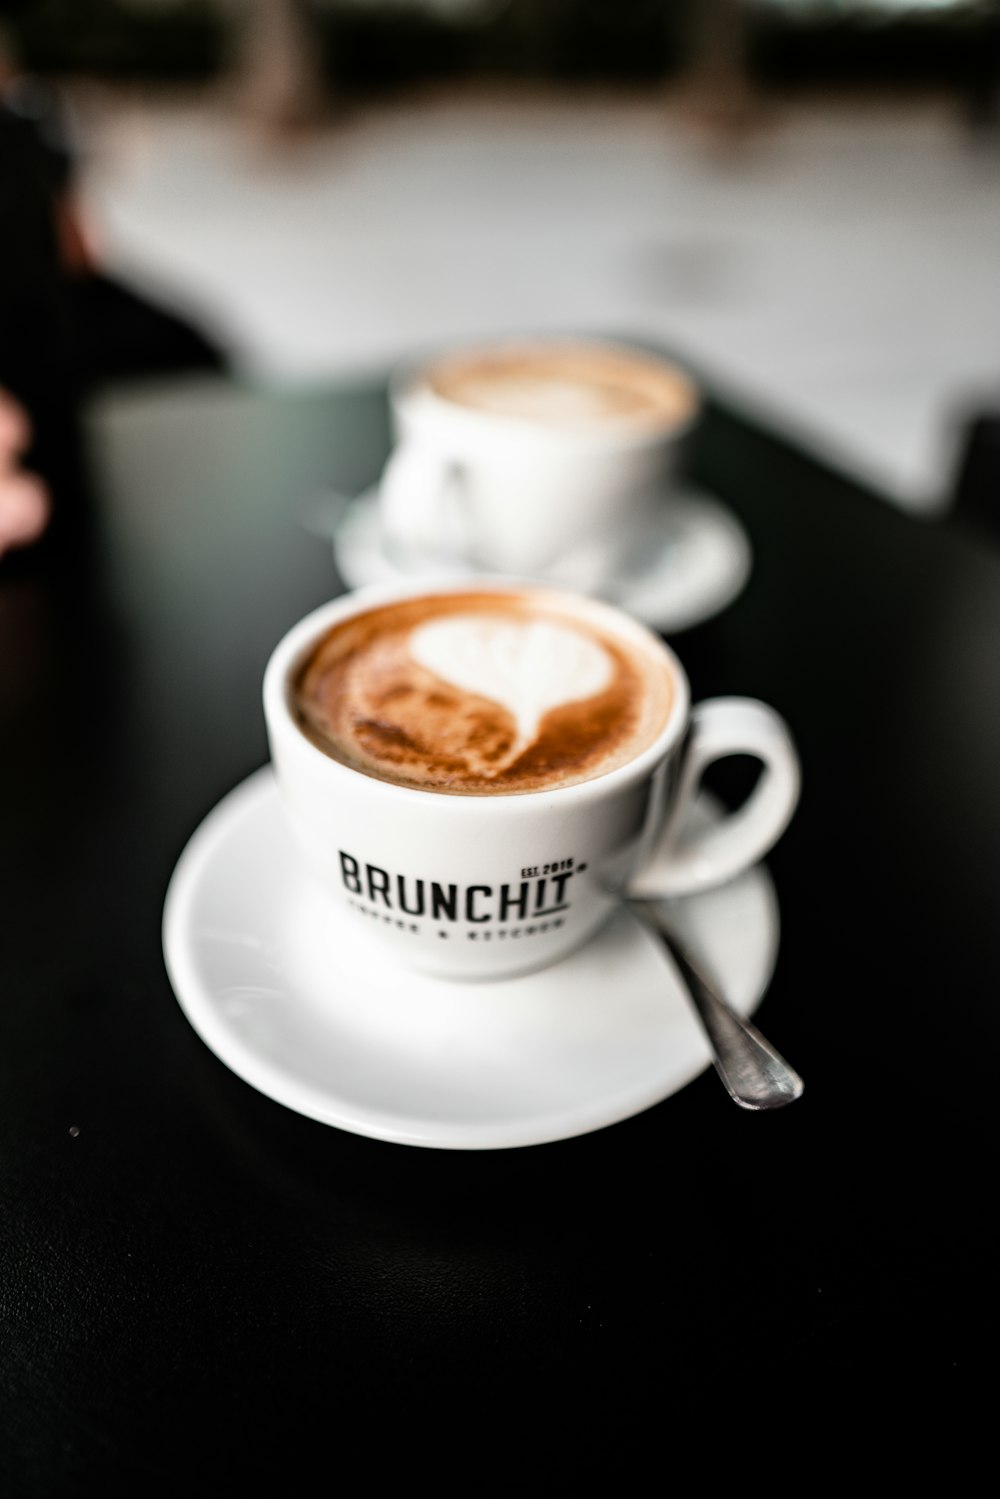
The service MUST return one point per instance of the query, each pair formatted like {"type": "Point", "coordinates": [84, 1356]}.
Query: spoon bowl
{"type": "Point", "coordinates": [755, 1075]}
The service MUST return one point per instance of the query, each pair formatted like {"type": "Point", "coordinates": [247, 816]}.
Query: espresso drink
{"type": "Point", "coordinates": [480, 693]}
{"type": "Point", "coordinates": [566, 386]}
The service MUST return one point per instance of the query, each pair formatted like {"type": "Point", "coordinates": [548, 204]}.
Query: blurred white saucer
{"type": "Point", "coordinates": [302, 1005]}
{"type": "Point", "coordinates": [687, 565]}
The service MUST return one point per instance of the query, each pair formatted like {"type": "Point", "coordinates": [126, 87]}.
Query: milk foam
{"type": "Point", "coordinates": [540, 399]}
{"type": "Point", "coordinates": [529, 667]}
{"type": "Point", "coordinates": [566, 385]}
{"type": "Point", "coordinates": [473, 694]}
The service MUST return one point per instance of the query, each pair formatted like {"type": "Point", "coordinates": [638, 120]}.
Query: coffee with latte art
{"type": "Point", "coordinates": [480, 693]}
{"type": "Point", "coordinates": [567, 386]}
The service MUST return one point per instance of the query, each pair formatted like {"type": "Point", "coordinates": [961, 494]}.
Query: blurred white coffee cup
{"type": "Point", "coordinates": [520, 456]}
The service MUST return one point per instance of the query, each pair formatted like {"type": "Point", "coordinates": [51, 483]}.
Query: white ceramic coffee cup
{"type": "Point", "coordinates": [510, 495]}
{"type": "Point", "coordinates": [479, 886]}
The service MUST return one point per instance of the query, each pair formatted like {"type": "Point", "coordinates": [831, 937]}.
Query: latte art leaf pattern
{"type": "Point", "coordinates": [481, 694]}
{"type": "Point", "coordinates": [527, 667]}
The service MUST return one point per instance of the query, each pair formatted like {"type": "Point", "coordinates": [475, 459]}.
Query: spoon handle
{"type": "Point", "coordinates": [754, 1074]}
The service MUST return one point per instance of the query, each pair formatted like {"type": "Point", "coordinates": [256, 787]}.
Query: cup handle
{"type": "Point", "coordinates": [682, 862]}
{"type": "Point", "coordinates": [422, 501]}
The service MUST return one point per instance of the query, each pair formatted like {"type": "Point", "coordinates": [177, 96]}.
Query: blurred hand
{"type": "Point", "coordinates": [24, 500]}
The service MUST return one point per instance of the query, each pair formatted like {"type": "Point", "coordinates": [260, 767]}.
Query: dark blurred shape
{"type": "Point", "coordinates": [360, 46]}
{"type": "Point", "coordinates": [119, 335]}
{"type": "Point", "coordinates": [36, 345]}
{"type": "Point", "coordinates": [976, 504]}
{"type": "Point", "coordinates": [810, 43]}
{"type": "Point", "coordinates": [64, 325]}
{"type": "Point", "coordinates": [983, 92]}
{"type": "Point", "coordinates": [180, 41]}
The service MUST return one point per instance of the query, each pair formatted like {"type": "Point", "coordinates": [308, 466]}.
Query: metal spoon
{"type": "Point", "coordinates": [754, 1074]}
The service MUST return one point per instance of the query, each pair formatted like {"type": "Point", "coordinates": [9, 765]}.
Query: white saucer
{"type": "Point", "coordinates": [686, 566]}
{"type": "Point", "coordinates": [311, 1013]}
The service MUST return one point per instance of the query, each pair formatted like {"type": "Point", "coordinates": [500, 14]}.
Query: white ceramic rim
{"type": "Point", "coordinates": [406, 379]}
{"type": "Point", "coordinates": [295, 645]}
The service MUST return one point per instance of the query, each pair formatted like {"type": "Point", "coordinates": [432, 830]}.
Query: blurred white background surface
{"type": "Point", "coordinates": [839, 273]}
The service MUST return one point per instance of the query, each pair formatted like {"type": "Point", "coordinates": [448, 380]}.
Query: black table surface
{"type": "Point", "coordinates": [198, 1285]}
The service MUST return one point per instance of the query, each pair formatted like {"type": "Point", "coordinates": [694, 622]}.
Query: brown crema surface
{"type": "Point", "coordinates": [619, 385]}
{"type": "Point", "coordinates": [362, 698]}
